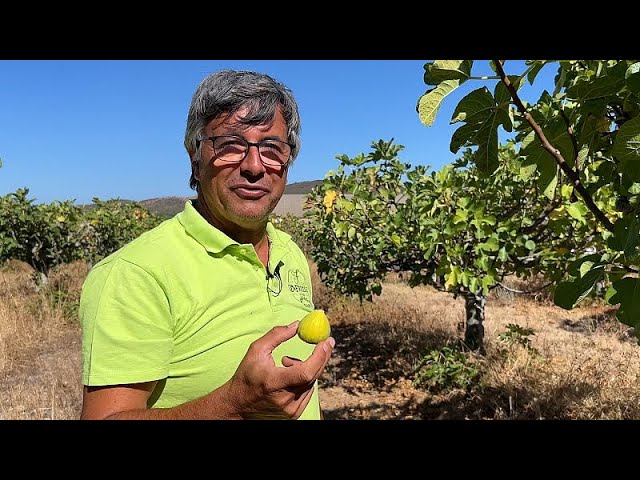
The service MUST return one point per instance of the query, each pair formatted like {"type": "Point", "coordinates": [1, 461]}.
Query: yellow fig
{"type": "Point", "coordinates": [314, 327]}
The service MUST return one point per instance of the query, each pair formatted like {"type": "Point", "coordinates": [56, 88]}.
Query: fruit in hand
{"type": "Point", "coordinates": [314, 327]}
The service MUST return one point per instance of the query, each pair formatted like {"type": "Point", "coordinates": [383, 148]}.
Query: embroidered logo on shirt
{"type": "Point", "coordinates": [298, 287]}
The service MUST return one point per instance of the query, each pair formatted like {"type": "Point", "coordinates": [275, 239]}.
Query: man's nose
{"type": "Point", "coordinates": [252, 162]}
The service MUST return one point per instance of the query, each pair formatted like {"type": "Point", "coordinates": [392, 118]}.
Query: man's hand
{"type": "Point", "coordinates": [260, 389]}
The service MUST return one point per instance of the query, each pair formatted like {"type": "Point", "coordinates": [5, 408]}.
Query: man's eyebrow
{"type": "Point", "coordinates": [235, 133]}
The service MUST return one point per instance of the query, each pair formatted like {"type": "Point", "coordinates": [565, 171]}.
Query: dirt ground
{"type": "Point", "coordinates": [369, 376]}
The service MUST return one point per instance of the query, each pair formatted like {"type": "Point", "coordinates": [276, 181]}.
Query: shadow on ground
{"type": "Point", "coordinates": [374, 362]}
{"type": "Point", "coordinates": [601, 322]}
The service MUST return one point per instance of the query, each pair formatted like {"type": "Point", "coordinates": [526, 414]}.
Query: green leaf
{"type": "Point", "coordinates": [568, 294]}
{"type": "Point", "coordinates": [556, 132]}
{"type": "Point", "coordinates": [486, 157]}
{"type": "Point", "coordinates": [482, 263]}
{"type": "Point", "coordinates": [460, 216]}
{"type": "Point", "coordinates": [442, 70]}
{"type": "Point", "coordinates": [631, 105]}
{"type": "Point", "coordinates": [501, 92]}
{"type": "Point", "coordinates": [530, 244]}
{"type": "Point", "coordinates": [341, 228]}
{"type": "Point", "coordinates": [548, 179]}
{"type": "Point", "coordinates": [482, 116]}
{"type": "Point", "coordinates": [396, 240]}
{"type": "Point", "coordinates": [600, 87]}
{"type": "Point", "coordinates": [626, 148]}
{"type": "Point", "coordinates": [463, 135]}
{"type": "Point", "coordinates": [451, 278]}
{"type": "Point", "coordinates": [583, 154]}
{"type": "Point", "coordinates": [464, 278]}
{"type": "Point", "coordinates": [577, 210]}
{"type": "Point", "coordinates": [626, 292]}
{"type": "Point", "coordinates": [611, 291]}
{"type": "Point", "coordinates": [430, 102]}
{"type": "Point", "coordinates": [463, 202]}
{"type": "Point", "coordinates": [479, 101]}
{"type": "Point", "coordinates": [491, 245]}
{"type": "Point", "coordinates": [344, 204]}
{"type": "Point", "coordinates": [585, 267]}
{"type": "Point", "coordinates": [626, 235]}
{"type": "Point", "coordinates": [487, 281]}
{"type": "Point", "coordinates": [473, 284]}
{"type": "Point", "coordinates": [632, 78]}
{"type": "Point", "coordinates": [527, 169]}
{"type": "Point", "coordinates": [575, 269]}
{"type": "Point", "coordinates": [491, 220]}
{"type": "Point", "coordinates": [533, 73]}
{"type": "Point", "coordinates": [588, 130]}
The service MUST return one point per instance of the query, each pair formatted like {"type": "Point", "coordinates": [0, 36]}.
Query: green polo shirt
{"type": "Point", "coordinates": [182, 303]}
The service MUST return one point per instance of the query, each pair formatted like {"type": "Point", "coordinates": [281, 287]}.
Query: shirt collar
{"type": "Point", "coordinates": [214, 240]}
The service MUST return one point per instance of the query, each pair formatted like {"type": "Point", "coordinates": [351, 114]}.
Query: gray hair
{"type": "Point", "coordinates": [226, 92]}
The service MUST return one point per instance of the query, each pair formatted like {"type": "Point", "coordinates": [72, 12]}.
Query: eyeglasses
{"type": "Point", "coordinates": [234, 149]}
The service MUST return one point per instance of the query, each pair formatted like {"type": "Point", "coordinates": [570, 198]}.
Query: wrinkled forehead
{"type": "Point", "coordinates": [243, 119]}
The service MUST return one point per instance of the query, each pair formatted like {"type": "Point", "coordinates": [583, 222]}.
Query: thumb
{"type": "Point", "coordinates": [278, 335]}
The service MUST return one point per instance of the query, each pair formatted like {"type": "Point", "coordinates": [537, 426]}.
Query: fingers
{"type": "Point", "coordinates": [290, 361]}
{"type": "Point", "coordinates": [324, 354]}
{"type": "Point", "coordinates": [303, 373]}
{"type": "Point", "coordinates": [276, 336]}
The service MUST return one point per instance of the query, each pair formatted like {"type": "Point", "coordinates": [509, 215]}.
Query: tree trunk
{"type": "Point", "coordinates": [40, 280]}
{"type": "Point", "coordinates": [474, 331]}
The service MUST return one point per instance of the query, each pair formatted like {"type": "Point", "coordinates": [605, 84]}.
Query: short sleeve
{"type": "Point", "coordinates": [127, 326]}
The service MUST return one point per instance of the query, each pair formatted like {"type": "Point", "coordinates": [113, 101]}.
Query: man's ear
{"type": "Point", "coordinates": [195, 169]}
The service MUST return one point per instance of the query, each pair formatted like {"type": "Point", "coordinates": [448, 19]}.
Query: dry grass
{"type": "Point", "coordinates": [39, 344]}
{"type": "Point", "coordinates": [580, 364]}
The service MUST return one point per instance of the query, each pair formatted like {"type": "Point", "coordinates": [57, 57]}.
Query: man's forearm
{"type": "Point", "coordinates": [213, 406]}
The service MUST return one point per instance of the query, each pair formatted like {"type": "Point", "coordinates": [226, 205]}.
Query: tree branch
{"type": "Point", "coordinates": [542, 217]}
{"type": "Point", "coordinates": [573, 140]}
{"type": "Point", "coordinates": [525, 291]}
{"type": "Point", "coordinates": [573, 176]}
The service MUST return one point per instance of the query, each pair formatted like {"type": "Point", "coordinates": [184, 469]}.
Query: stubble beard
{"type": "Point", "coordinates": [252, 211]}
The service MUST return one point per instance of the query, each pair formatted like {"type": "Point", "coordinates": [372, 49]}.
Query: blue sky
{"type": "Point", "coordinates": [78, 129]}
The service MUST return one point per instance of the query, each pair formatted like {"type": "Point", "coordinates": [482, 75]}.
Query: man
{"type": "Point", "coordinates": [197, 318]}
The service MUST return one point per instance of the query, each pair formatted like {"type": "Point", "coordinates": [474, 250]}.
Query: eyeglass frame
{"type": "Point", "coordinates": [249, 145]}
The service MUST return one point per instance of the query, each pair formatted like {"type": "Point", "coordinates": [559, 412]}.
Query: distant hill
{"type": "Point", "coordinates": [301, 187]}
{"type": "Point", "coordinates": [167, 207]}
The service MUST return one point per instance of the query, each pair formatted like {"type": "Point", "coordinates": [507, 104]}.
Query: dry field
{"type": "Point", "coordinates": [579, 364]}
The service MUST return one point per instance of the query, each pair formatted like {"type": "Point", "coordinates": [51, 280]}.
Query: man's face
{"type": "Point", "coordinates": [241, 194]}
